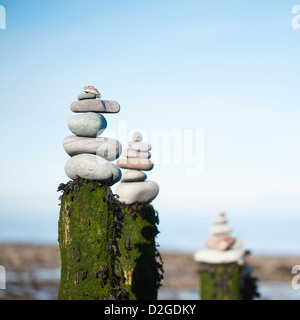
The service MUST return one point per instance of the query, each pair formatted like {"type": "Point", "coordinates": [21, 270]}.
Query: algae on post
{"type": "Point", "coordinates": [89, 226]}
{"type": "Point", "coordinates": [140, 259]}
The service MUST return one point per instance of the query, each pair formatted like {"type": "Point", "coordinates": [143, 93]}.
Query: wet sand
{"type": "Point", "coordinates": [33, 271]}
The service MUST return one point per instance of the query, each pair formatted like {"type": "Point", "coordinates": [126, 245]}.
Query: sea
{"type": "Point", "coordinates": [261, 234]}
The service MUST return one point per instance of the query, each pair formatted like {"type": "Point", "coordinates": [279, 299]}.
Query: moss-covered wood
{"type": "Point", "coordinates": [140, 258]}
{"type": "Point", "coordinates": [219, 282]}
{"type": "Point", "coordinates": [89, 225]}
{"type": "Point", "coordinates": [230, 281]}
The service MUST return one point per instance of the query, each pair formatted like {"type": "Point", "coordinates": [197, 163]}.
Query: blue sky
{"type": "Point", "coordinates": [230, 68]}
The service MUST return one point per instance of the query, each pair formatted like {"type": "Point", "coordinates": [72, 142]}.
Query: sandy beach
{"type": "Point", "coordinates": [33, 273]}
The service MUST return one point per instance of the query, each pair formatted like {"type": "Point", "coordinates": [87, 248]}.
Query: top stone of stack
{"type": "Point", "coordinates": [137, 137]}
{"type": "Point", "coordinates": [92, 90]}
{"type": "Point", "coordinates": [88, 102]}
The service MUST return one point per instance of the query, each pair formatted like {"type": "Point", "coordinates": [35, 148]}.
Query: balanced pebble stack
{"type": "Point", "coordinates": [133, 187]}
{"type": "Point", "coordinates": [90, 219]}
{"type": "Point", "coordinates": [224, 272]}
{"type": "Point", "coordinates": [91, 155]}
{"type": "Point", "coordinates": [221, 248]}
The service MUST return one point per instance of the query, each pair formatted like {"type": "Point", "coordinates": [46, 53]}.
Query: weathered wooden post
{"type": "Point", "coordinates": [224, 274]}
{"type": "Point", "coordinates": [90, 218]}
{"type": "Point", "coordinates": [140, 258]}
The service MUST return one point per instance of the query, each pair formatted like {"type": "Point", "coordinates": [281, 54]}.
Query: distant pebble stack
{"type": "Point", "coordinates": [91, 154]}
{"type": "Point", "coordinates": [222, 248]}
{"type": "Point", "coordinates": [133, 187]}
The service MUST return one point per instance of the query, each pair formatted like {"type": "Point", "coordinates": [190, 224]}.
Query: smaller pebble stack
{"type": "Point", "coordinates": [221, 248]}
{"type": "Point", "coordinates": [91, 154]}
{"type": "Point", "coordinates": [221, 240]}
{"type": "Point", "coordinates": [133, 187]}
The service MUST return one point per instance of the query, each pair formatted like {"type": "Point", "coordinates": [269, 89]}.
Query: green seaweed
{"type": "Point", "coordinates": [227, 281]}
{"type": "Point", "coordinates": [140, 258]}
{"type": "Point", "coordinates": [89, 226]}
{"type": "Point", "coordinates": [220, 282]}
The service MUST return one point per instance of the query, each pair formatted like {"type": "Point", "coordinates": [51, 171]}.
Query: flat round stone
{"type": "Point", "coordinates": [88, 124]}
{"type": "Point", "coordinates": [133, 176]}
{"type": "Point", "coordinates": [93, 167]}
{"type": "Point", "coordinates": [219, 220]}
{"type": "Point", "coordinates": [85, 96]}
{"type": "Point", "coordinates": [135, 163]}
{"type": "Point", "coordinates": [216, 256]}
{"type": "Point", "coordinates": [140, 146]}
{"type": "Point", "coordinates": [220, 242]}
{"type": "Point", "coordinates": [130, 153]}
{"type": "Point", "coordinates": [132, 192]}
{"type": "Point", "coordinates": [95, 105]}
{"type": "Point", "coordinates": [220, 229]}
{"type": "Point", "coordinates": [107, 148]}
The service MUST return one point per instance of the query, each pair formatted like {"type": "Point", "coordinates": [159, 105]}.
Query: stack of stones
{"type": "Point", "coordinates": [91, 155]}
{"type": "Point", "coordinates": [220, 230]}
{"type": "Point", "coordinates": [221, 248]}
{"type": "Point", "coordinates": [224, 272]}
{"type": "Point", "coordinates": [133, 187]}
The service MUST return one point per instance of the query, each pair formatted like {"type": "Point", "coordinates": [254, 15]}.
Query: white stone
{"type": "Point", "coordinates": [219, 229]}
{"type": "Point", "coordinates": [133, 176]}
{"type": "Point", "coordinates": [140, 146]}
{"type": "Point", "coordinates": [219, 220]}
{"type": "Point", "coordinates": [131, 192]}
{"type": "Point", "coordinates": [107, 148]}
{"type": "Point", "coordinates": [92, 167]}
{"type": "Point", "coordinates": [216, 256]}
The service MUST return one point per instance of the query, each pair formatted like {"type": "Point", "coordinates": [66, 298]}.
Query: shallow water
{"type": "Point", "coordinates": [269, 290]}
{"type": "Point", "coordinates": [42, 284]}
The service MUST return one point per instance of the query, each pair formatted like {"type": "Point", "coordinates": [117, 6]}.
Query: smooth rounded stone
{"type": "Point", "coordinates": [130, 153]}
{"type": "Point", "coordinates": [135, 163]}
{"type": "Point", "coordinates": [219, 220]}
{"type": "Point", "coordinates": [216, 256]}
{"type": "Point", "coordinates": [140, 146]}
{"type": "Point", "coordinates": [133, 176]}
{"type": "Point", "coordinates": [131, 192]}
{"type": "Point", "coordinates": [137, 137]}
{"type": "Point", "coordinates": [95, 105]}
{"type": "Point", "coordinates": [92, 167]}
{"type": "Point", "coordinates": [85, 96]}
{"type": "Point", "coordinates": [107, 148]}
{"type": "Point", "coordinates": [88, 124]}
{"type": "Point", "coordinates": [220, 242]}
{"type": "Point", "coordinates": [220, 229]}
